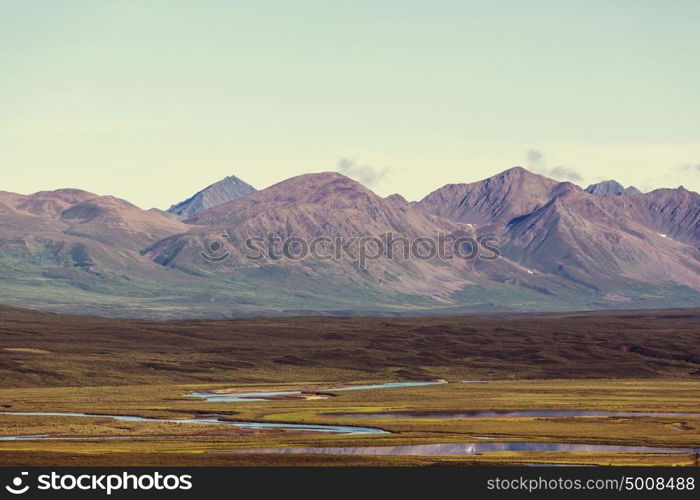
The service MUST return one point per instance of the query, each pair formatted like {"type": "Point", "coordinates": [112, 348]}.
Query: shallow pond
{"type": "Point", "coordinates": [212, 419]}
{"type": "Point", "coordinates": [462, 449]}
{"type": "Point", "coordinates": [510, 414]}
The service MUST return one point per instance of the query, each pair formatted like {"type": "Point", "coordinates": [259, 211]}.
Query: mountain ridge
{"type": "Point", "coordinates": [561, 248]}
{"type": "Point", "coordinates": [227, 189]}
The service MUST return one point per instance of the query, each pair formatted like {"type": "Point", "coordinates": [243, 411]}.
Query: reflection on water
{"type": "Point", "coordinates": [22, 438]}
{"type": "Point", "coordinates": [510, 414]}
{"type": "Point", "coordinates": [242, 397]}
{"type": "Point", "coordinates": [212, 419]}
{"type": "Point", "coordinates": [389, 385]}
{"type": "Point", "coordinates": [462, 449]}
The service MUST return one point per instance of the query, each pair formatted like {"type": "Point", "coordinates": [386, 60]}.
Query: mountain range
{"type": "Point", "coordinates": [558, 247]}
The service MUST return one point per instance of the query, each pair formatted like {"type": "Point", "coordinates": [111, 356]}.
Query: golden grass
{"type": "Point", "coordinates": [205, 445]}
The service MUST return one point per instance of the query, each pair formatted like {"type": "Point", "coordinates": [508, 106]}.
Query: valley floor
{"type": "Point", "coordinates": [103, 441]}
{"type": "Point", "coordinates": [613, 361]}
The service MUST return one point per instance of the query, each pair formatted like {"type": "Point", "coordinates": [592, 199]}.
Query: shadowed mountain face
{"type": "Point", "coordinates": [582, 240]}
{"type": "Point", "coordinates": [497, 199]}
{"type": "Point", "coordinates": [608, 245]}
{"type": "Point", "coordinates": [225, 190]}
{"type": "Point", "coordinates": [561, 247]}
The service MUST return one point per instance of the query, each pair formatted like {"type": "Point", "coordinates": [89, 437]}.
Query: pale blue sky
{"type": "Point", "coordinates": [150, 100]}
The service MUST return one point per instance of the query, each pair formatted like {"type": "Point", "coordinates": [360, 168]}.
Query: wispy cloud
{"type": "Point", "coordinates": [535, 161]}
{"type": "Point", "coordinates": [566, 173]}
{"type": "Point", "coordinates": [692, 167]}
{"type": "Point", "coordinates": [365, 174]}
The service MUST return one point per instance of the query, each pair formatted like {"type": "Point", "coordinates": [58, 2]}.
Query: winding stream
{"type": "Point", "coordinates": [213, 419]}
{"type": "Point", "coordinates": [445, 449]}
